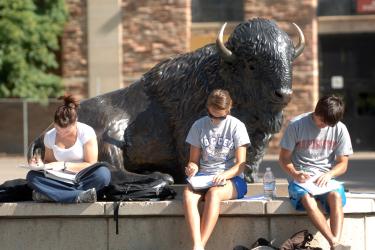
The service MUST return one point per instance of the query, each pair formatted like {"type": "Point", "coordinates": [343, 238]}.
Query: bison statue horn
{"type": "Point", "coordinates": [301, 42]}
{"type": "Point", "coordinates": [225, 53]}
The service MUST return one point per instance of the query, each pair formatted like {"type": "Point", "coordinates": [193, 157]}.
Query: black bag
{"type": "Point", "coordinates": [90, 169]}
{"type": "Point", "coordinates": [125, 186]}
{"type": "Point", "coordinates": [15, 190]}
{"type": "Point", "coordinates": [299, 241]}
{"type": "Point", "coordinates": [260, 243]}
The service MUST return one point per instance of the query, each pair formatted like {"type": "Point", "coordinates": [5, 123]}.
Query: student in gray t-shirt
{"type": "Point", "coordinates": [218, 145]}
{"type": "Point", "coordinates": [313, 143]}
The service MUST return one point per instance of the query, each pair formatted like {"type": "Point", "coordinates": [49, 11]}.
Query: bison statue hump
{"type": "Point", "coordinates": [142, 128]}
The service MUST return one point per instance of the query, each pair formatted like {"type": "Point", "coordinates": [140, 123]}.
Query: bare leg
{"type": "Point", "coordinates": [212, 207]}
{"type": "Point", "coordinates": [318, 218]}
{"type": "Point", "coordinates": [336, 214]}
{"type": "Point", "coordinates": [192, 217]}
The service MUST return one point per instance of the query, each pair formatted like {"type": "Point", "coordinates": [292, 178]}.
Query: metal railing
{"type": "Point", "coordinates": [21, 121]}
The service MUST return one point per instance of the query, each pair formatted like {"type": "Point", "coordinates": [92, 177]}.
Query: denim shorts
{"type": "Point", "coordinates": [296, 193]}
{"type": "Point", "coordinates": [238, 182]}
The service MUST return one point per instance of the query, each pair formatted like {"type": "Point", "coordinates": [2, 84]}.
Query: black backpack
{"type": "Point", "coordinates": [15, 190]}
{"type": "Point", "coordinates": [125, 186]}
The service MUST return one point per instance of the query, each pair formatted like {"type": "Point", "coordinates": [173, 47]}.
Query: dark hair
{"type": "Point", "coordinates": [331, 109]}
{"type": "Point", "coordinates": [219, 99]}
{"type": "Point", "coordinates": [66, 114]}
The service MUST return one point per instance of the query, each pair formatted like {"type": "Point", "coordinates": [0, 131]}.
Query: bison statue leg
{"type": "Point", "coordinates": [255, 153]}
{"type": "Point", "coordinates": [133, 131]}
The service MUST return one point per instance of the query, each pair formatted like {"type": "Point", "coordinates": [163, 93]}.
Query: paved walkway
{"type": "Point", "coordinates": [9, 169]}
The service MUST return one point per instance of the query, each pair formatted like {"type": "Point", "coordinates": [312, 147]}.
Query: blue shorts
{"type": "Point", "coordinates": [241, 186]}
{"type": "Point", "coordinates": [238, 182]}
{"type": "Point", "coordinates": [296, 193]}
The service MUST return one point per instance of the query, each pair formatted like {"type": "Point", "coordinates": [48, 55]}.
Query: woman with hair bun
{"type": "Point", "coordinates": [70, 146]}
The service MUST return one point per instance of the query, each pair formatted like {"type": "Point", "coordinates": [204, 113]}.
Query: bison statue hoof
{"type": "Point", "coordinates": [166, 177]}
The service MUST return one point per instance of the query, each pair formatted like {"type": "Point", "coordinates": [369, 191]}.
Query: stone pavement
{"type": "Point", "coordinates": [9, 169]}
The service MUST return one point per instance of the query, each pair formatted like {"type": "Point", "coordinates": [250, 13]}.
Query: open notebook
{"type": "Point", "coordinates": [63, 176]}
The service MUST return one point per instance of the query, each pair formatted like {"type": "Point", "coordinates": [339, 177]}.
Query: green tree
{"type": "Point", "coordinates": [29, 32]}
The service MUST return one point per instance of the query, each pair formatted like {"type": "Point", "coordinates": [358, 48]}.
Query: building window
{"type": "Point", "coordinates": [366, 104]}
{"type": "Point", "coordinates": [336, 7]}
{"type": "Point", "coordinates": [217, 10]}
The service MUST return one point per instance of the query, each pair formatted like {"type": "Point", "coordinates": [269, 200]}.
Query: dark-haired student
{"type": "Point", "coordinates": [70, 146]}
{"type": "Point", "coordinates": [318, 143]}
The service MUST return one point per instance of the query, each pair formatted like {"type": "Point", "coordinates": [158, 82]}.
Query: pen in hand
{"type": "Point", "coordinates": [301, 176]}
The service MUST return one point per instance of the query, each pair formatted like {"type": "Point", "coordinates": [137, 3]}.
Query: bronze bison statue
{"type": "Point", "coordinates": [142, 128]}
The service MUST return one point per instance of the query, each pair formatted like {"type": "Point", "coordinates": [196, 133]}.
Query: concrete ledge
{"type": "Point", "coordinates": [175, 208]}
{"type": "Point", "coordinates": [33, 209]}
{"type": "Point", "coordinates": [161, 225]}
{"type": "Point", "coordinates": [353, 206]}
{"type": "Point", "coordinates": [278, 206]}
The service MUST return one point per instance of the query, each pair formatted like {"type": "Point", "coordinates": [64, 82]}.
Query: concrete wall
{"type": "Point", "coordinates": [161, 225]}
{"type": "Point", "coordinates": [104, 46]}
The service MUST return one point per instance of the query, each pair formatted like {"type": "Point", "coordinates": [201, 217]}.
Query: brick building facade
{"type": "Point", "coordinates": [152, 32]}
{"type": "Point", "coordinates": [74, 49]}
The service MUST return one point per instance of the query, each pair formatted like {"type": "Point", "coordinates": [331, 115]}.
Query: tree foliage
{"type": "Point", "coordinates": [29, 37]}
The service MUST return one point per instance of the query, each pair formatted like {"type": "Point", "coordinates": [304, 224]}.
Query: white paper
{"type": "Point", "coordinates": [36, 167]}
{"type": "Point", "coordinates": [258, 197]}
{"type": "Point", "coordinates": [202, 181]}
{"type": "Point", "coordinates": [313, 189]}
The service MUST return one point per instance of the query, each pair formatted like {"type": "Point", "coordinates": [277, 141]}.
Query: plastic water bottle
{"type": "Point", "coordinates": [269, 184]}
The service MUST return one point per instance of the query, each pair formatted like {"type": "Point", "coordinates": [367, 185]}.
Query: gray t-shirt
{"type": "Point", "coordinates": [217, 142]}
{"type": "Point", "coordinates": [313, 147]}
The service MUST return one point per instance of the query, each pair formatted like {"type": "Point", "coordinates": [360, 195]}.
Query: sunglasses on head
{"type": "Point", "coordinates": [216, 117]}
